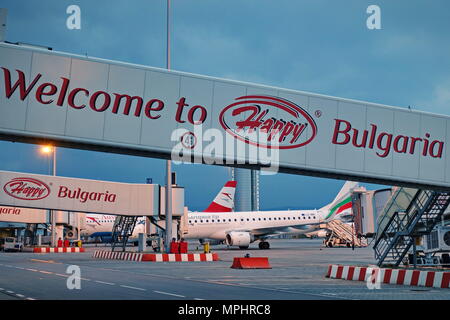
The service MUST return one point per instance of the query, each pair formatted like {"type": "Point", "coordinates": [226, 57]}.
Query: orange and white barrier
{"type": "Point", "coordinates": [407, 277]}
{"type": "Point", "coordinates": [157, 257]}
{"type": "Point", "coordinates": [58, 250]}
{"type": "Point", "coordinates": [251, 263]}
{"type": "Point", "coordinates": [180, 257]}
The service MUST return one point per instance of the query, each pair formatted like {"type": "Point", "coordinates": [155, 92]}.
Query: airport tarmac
{"type": "Point", "coordinates": [298, 273]}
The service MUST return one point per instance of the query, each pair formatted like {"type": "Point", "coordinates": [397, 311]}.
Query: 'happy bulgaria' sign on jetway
{"type": "Point", "coordinates": [104, 105]}
{"type": "Point", "coordinates": [24, 190]}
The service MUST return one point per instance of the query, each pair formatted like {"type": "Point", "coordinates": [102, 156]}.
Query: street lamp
{"type": "Point", "coordinates": [47, 150]}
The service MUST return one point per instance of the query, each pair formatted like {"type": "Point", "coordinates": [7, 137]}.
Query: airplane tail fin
{"type": "Point", "coordinates": [342, 203]}
{"type": "Point", "coordinates": [224, 201]}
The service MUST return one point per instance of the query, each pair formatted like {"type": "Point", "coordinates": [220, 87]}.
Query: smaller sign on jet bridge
{"type": "Point", "coordinates": [22, 215]}
{"type": "Point", "coordinates": [80, 195]}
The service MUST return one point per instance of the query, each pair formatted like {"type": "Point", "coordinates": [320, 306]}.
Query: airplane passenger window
{"type": "Point", "coordinates": [195, 221]}
{"type": "Point", "coordinates": [259, 219]}
{"type": "Point", "coordinates": [207, 220]}
{"type": "Point", "coordinates": [235, 219]}
{"type": "Point", "coordinates": [248, 219]}
{"type": "Point", "coordinates": [254, 219]}
{"type": "Point", "coordinates": [284, 218]}
{"type": "Point", "coordinates": [264, 219]}
{"type": "Point", "coordinates": [201, 221]}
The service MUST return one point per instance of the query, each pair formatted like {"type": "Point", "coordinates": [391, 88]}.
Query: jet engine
{"type": "Point", "coordinates": [241, 239]}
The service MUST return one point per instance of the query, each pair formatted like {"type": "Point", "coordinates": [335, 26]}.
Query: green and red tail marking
{"type": "Point", "coordinates": [341, 206]}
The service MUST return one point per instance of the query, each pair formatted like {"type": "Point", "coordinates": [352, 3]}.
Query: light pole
{"type": "Point", "coordinates": [168, 162]}
{"type": "Point", "coordinates": [47, 150]}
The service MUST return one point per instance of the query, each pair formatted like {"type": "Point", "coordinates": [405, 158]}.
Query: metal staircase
{"type": "Point", "coordinates": [343, 233]}
{"type": "Point", "coordinates": [410, 213]}
{"type": "Point", "coordinates": [122, 230]}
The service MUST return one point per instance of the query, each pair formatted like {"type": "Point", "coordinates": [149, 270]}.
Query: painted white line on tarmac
{"type": "Point", "coordinates": [103, 282]}
{"type": "Point", "coordinates": [123, 286]}
{"type": "Point", "coordinates": [34, 270]}
{"type": "Point", "coordinates": [20, 295]}
{"type": "Point", "coordinates": [46, 272]}
{"type": "Point", "coordinates": [198, 299]}
{"type": "Point", "coordinates": [30, 299]}
{"type": "Point", "coordinates": [170, 294]}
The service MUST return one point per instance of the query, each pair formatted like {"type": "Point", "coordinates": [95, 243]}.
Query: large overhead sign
{"type": "Point", "coordinates": [103, 105]}
{"type": "Point", "coordinates": [24, 190]}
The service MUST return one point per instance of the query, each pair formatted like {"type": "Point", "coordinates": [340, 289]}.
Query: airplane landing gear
{"type": "Point", "coordinates": [264, 245]}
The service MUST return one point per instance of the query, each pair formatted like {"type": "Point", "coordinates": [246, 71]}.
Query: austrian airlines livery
{"type": "Point", "coordinates": [242, 228]}
{"type": "Point", "coordinates": [224, 201]}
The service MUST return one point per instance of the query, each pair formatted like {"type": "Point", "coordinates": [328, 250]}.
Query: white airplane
{"type": "Point", "coordinates": [101, 225]}
{"type": "Point", "coordinates": [242, 228]}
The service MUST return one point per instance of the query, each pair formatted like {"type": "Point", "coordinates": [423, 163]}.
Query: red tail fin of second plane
{"type": "Point", "coordinates": [224, 201]}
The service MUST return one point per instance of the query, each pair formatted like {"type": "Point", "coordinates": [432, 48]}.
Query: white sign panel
{"type": "Point", "coordinates": [103, 105]}
{"type": "Point", "coordinates": [22, 215]}
{"type": "Point", "coordinates": [71, 194]}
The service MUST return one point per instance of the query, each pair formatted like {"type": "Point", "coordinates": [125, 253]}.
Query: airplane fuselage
{"type": "Point", "coordinates": [217, 225]}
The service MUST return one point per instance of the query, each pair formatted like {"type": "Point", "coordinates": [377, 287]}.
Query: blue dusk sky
{"type": "Point", "coordinates": [310, 45]}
